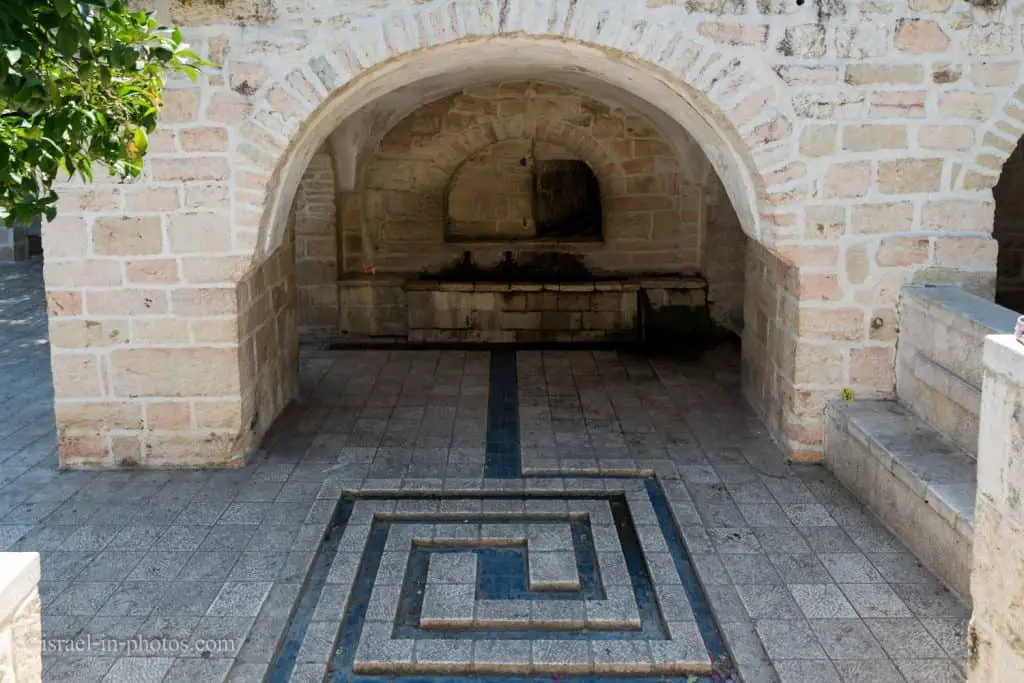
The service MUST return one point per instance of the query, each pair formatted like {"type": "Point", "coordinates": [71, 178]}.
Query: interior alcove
{"type": "Point", "coordinates": [534, 168]}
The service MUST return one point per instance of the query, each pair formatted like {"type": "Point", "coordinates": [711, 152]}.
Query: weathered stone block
{"type": "Point", "coordinates": [127, 236]}
{"type": "Point", "coordinates": [179, 372]}
{"type": "Point", "coordinates": [908, 176]}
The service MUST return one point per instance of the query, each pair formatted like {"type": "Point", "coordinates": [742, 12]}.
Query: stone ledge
{"type": "Point", "coordinates": [1004, 356]}
{"type": "Point", "coordinates": [19, 577]}
{"type": "Point", "coordinates": [918, 484]}
{"type": "Point", "coordinates": [361, 280]}
{"type": "Point", "coordinates": [951, 303]}
{"type": "Point", "coordinates": [673, 282]}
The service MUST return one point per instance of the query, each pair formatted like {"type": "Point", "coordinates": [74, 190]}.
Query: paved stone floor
{"type": "Point", "coordinates": [445, 514]}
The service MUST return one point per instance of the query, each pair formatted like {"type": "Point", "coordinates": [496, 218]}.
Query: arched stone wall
{"type": "Point", "coordinates": [858, 143]}
{"type": "Point", "coordinates": [650, 211]}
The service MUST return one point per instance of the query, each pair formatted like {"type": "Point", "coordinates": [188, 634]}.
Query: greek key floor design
{"type": "Point", "coordinates": [507, 576]}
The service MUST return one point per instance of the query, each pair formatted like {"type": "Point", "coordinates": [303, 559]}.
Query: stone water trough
{"type": "Point", "coordinates": [551, 297]}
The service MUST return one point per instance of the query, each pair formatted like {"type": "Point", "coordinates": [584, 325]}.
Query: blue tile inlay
{"type": "Point", "coordinates": [503, 459]}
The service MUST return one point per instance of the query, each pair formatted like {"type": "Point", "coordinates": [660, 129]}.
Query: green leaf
{"type": "Point", "coordinates": [140, 141]}
{"type": "Point", "coordinates": [13, 55]}
{"type": "Point", "coordinates": [67, 40]}
{"type": "Point", "coordinates": [63, 7]}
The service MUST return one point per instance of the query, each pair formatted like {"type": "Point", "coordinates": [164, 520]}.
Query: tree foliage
{"type": "Point", "coordinates": [80, 84]}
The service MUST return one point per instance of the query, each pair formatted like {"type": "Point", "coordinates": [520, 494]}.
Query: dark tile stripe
{"type": "Point", "coordinates": [503, 458]}
{"type": "Point", "coordinates": [284, 660]}
{"type": "Point", "coordinates": [694, 590]}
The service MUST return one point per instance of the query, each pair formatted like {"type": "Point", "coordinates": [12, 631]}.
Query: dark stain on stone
{"type": "Point", "coordinates": [570, 13]}
{"type": "Point", "coordinates": [244, 88]}
{"type": "Point", "coordinates": [786, 45]}
{"type": "Point", "coordinates": [972, 646]}
{"type": "Point", "coordinates": [503, 16]}
{"type": "Point", "coordinates": [830, 8]}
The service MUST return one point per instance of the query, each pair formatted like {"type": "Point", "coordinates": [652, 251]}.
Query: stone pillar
{"type": "Point", "coordinates": [171, 345]}
{"type": "Point", "coordinates": [21, 626]}
{"type": "Point", "coordinates": [996, 637]}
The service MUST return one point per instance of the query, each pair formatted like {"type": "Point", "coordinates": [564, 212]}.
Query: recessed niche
{"type": "Point", "coordinates": [503, 193]}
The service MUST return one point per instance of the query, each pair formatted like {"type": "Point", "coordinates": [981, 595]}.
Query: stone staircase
{"type": "Point", "coordinates": [912, 478]}
{"type": "Point", "coordinates": [911, 461]}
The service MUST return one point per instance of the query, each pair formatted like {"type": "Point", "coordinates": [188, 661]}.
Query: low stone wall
{"type": "Point", "coordinates": [939, 356]}
{"type": "Point", "coordinates": [497, 313]}
{"type": "Point", "coordinates": [997, 582]}
{"type": "Point", "coordinates": [20, 619]}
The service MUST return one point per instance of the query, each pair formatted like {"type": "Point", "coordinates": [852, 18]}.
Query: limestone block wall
{"type": "Point", "coordinates": [492, 134]}
{"type": "Point", "coordinates": [858, 143]}
{"type": "Point", "coordinates": [490, 194]}
{"type": "Point", "coordinates": [21, 638]}
{"type": "Point", "coordinates": [997, 581]}
{"type": "Point", "coordinates": [769, 349]}
{"type": "Point", "coordinates": [1009, 231]}
{"type": "Point", "coordinates": [374, 305]}
{"type": "Point", "coordinates": [316, 246]}
{"type": "Point", "coordinates": [939, 366]}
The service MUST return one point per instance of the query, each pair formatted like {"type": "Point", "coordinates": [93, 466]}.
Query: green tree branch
{"type": "Point", "coordinates": [81, 84]}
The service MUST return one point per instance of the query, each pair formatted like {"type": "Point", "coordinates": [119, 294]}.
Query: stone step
{"type": "Point", "coordinates": [918, 484]}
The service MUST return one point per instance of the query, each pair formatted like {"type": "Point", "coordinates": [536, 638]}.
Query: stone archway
{"type": "Point", "coordinates": [833, 167]}
{"type": "Point", "coordinates": [360, 112]}
{"type": "Point", "coordinates": [158, 404]}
